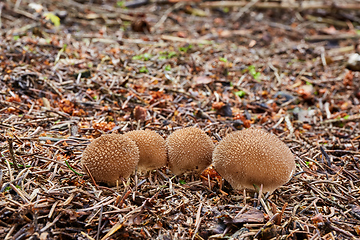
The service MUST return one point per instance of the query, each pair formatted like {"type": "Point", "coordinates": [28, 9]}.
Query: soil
{"type": "Point", "coordinates": [74, 70]}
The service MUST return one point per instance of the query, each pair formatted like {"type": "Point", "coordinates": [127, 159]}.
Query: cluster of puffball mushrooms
{"type": "Point", "coordinates": [244, 158]}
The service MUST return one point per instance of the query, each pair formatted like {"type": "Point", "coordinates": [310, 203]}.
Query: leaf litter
{"type": "Point", "coordinates": [73, 70]}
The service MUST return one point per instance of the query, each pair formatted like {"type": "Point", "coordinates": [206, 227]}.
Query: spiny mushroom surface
{"type": "Point", "coordinates": [189, 149]}
{"type": "Point", "coordinates": [110, 158]}
{"type": "Point", "coordinates": [253, 156]}
{"type": "Point", "coordinates": [152, 149]}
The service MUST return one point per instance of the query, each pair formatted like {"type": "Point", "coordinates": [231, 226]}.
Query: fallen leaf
{"type": "Point", "coordinates": [140, 113]}
{"type": "Point", "coordinates": [202, 80]}
{"type": "Point", "coordinates": [252, 215]}
{"type": "Point", "coordinates": [348, 79]}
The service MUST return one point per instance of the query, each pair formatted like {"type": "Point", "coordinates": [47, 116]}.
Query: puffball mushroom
{"type": "Point", "coordinates": [253, 156]}
{"type": "Point", "coordinates": [110, 158]}
{"type": "Point", "coordinates": [152, 149]}
{"type": "Point", "coordinates": [189, 149]}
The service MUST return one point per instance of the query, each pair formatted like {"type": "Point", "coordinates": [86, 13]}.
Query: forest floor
{"type": "Point", "coordinates": [73, 70]}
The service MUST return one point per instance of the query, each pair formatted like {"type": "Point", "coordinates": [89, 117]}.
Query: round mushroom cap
{"type": "Point", "coordinates": [110, 158]}
{"type": "Point", "coordinates": [189, 149]}
{"type": "Point", "coordinates": [152, 149]}
{"type": "Point", "coordinates": [253, 156]}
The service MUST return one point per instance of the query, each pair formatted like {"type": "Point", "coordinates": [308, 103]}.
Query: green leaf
{"type": "Point", "coordinates": [167, 55]}
{"type": "Point", "coordinates": [186, 48]}
{"type": "Point", "coordinates": [252, 71]}
{"type": "Point", "coordinates": [223, 59]}
{"type": "Point", "coordinates": [182, 181]}
{"type": "Point", "coordinates": [137, 57]}
{"type": "Point", "coordinates": [256, 75]}
{"type": "Point", "coordinates": [53, 18]}
{"type": "Point", "coordinates": [167, 68]}
{"type": "Point", "coordinates": [120, 4]}
{"type": "Point", "coordinates": [240, 93]}
{"type": "Point", "coordinates": [16, 37]}
{"type": "Point", "coordinates": [347, 116]}
{"type": "Point", "coordinates": [171, 54]}
{"type": "Point", "coordinates": [146, 56]}
{"type": "Point", "coordinates": [143, 70]}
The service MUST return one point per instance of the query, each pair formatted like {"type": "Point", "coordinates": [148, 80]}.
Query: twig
{"type": "Point", "coordinates": [244, 10]}
{"type": "Point", "coordinates": [1, 177]}
{"type": "Point", "coordinates": [1, 7]}
{"type": "Point", "coordinates": [123, 198]}
{"type": "Point", "coordinates": [352, 118]}
{"type": "Point", "coordinates": [187, 40]}
{"type": "Point", "coordinates": [19, 193]}
{"type": "Point", "coordinates": [92, 179]}
{"type": "Point", "coordinates": [26, 14]}
{"type": "Point", "coordinates": [198, 220]}
{"type": "Point", "coordinates": [11, 151]}
{"type": "Point", "coordinates": [48, 225]}
{"type": "Point", "coordinates": [343, 231]}
{"type": "Point", "coordinates": [166, 14]}
{"type": "Point", "coordinates": [86, 235]}
{"type": "Point", "coordinates": [99, 224]}
{"type": "Point", "coordinates": [326, 156]}
{"type": "Point", "coordinates": [115, 228]}
{"type": "Point", "coordinates": [284, 5]}
{"type": "Point", "coordinates": [331, 37]}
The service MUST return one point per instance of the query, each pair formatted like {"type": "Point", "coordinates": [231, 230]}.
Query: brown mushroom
{"type": "Point", "coordinates": [254, 157]}
{"type": "Point", "coordinates": [152, 149]}
{"type": "Point", "coordinates": [110, 158]}
{"type": "Point", "coordinates": [189, 149]}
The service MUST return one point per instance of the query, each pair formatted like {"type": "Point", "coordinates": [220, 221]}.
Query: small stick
{"type": "Point", "coordinates": [352, 118]}
{"type": "Point", "coordinates": [198, 220]}
{"type": "Point", "coordinates": [326, 156]}
{"type": "Point", "coordinates": [244, 192]}
{"type": "Point", "coordinates": [260, 193]}
{"type": "Point", "coordinates": [11, 150]}
{"type": "Point", "coordinates": [245, 9]}
{"type": "Point", "coordinates": [166, 14]}
{"type": "Point", "coordinates": [99, 225]}
{"type": "Point", "coordinates": [241, 211]}
{"type": "Point", "coordinates": [126, 194]}
{"type": "Point", "coordinates": [92, 179]}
